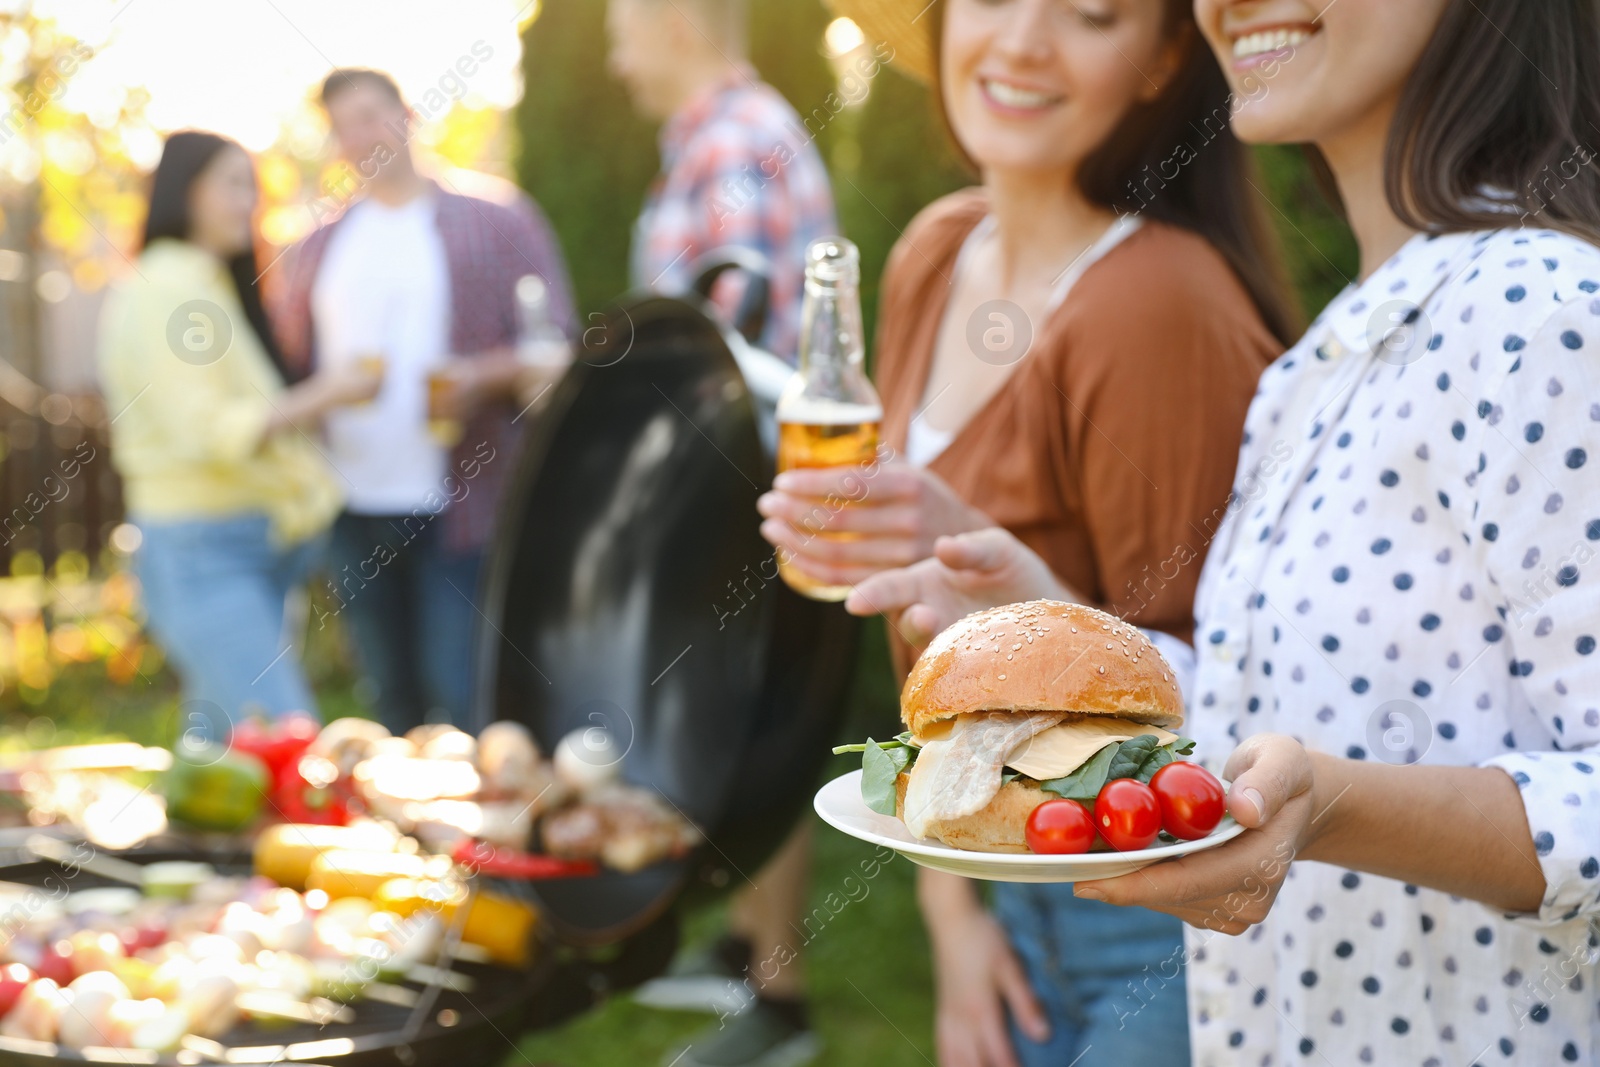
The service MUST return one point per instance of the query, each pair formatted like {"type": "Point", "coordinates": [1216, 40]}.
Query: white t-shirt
{"type": "Point", "coordinates": [384, 289]}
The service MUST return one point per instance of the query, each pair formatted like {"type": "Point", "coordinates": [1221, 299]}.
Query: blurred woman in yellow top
{"type": "Point", "coordinates": [220, 471]}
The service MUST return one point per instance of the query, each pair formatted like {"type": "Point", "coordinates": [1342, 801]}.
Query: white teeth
{"type": "Point", "coordinates": [1254, 44]}
{"type": "Point", "coordinates": [1011, 96]}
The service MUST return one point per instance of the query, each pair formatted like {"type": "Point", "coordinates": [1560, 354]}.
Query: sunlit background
{"type": "Point", "coordinates": [88, 90]}
{"type": "Point", "coordinates": [173, 50]}
{"type": "Point", "coordinates": [88, 128]}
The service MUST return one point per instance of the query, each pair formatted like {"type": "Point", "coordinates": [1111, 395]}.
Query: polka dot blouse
{"type": "Point", "coordinates": [1408, 573]}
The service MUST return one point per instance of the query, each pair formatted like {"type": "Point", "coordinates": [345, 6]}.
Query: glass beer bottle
{"type": "Point", "coordinates": [829, 414]}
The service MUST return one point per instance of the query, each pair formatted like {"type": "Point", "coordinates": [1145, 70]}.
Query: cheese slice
{"type": "Point", "coordinates": [1064, 748]}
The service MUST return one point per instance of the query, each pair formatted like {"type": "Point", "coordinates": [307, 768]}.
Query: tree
{"type": "Point", "coordinates": [68, 184]}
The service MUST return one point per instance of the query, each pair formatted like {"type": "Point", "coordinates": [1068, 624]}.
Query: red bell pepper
{"type": "Point", "coordinates": [302, 800]}
{"type": "Point", "coordinates": [277, 744]}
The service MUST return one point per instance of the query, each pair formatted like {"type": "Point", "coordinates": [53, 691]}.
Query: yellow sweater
{"type": "Point", "coordinates": [190, 389]}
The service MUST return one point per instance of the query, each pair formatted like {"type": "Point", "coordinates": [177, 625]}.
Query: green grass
{"type": "Point", "coordinates": [83, 705]}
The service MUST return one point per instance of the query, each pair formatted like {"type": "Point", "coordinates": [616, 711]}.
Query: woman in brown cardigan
{"type": "Point", "coordinates": [1066, 351]}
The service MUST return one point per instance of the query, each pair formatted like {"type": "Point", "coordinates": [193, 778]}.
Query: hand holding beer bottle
{"type": "Point", "coordinates": [839, 511]}
{"type": "Point", "coordinates": [829, 415]}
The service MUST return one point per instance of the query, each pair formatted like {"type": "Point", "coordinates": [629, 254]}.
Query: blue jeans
{"type": "Point", "coordinates": [1110, 979]}
{"type": "Point", "coordinates": [214, 594]}
{"type": "Point", "coordinates": [410, 606]}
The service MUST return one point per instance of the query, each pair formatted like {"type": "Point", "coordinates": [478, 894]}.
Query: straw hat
{"type": "Point", "coordinates": [907, 26]}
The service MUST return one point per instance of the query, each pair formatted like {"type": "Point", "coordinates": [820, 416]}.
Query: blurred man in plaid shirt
{"type": "Point", "coordinates": [416, 272]}
{"type": "Point", "coordinates": [738, 168]}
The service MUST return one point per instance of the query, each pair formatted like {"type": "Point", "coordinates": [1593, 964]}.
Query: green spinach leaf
{"type": "Point", "coordinates": [1162, 756]}
{"type": "Point", "coordinates": [880, 766]}
{"type": "Point", "coordinates": [1158, 759]}
{"type": "Point", "coordinates": [1132, 755]}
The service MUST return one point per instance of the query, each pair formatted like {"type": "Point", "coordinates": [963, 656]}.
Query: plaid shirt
{"type": "Point", "coordinates": [488, 246]}
{"type": "Point", "coordinates": [738, 167]}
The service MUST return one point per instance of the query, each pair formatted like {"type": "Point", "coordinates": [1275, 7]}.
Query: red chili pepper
{"type": "Point", "coordinates": [495, 862]}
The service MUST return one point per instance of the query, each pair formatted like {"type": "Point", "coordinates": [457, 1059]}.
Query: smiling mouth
{"type": "Point", "coordinates": [1262, 42]}
{"type": "Point", "coordinates": [1013, 96]}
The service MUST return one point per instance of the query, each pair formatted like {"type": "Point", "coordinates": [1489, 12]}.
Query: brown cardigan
{"type": "Point", "coordinates": [1111, 449]}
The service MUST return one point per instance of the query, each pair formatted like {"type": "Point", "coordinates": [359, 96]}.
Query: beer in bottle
{"type": "Point", "coordinates": [829, 415]}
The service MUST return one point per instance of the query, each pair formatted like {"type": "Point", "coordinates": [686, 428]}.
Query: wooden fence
{"type": "Point", "coordinates": [58, 490]}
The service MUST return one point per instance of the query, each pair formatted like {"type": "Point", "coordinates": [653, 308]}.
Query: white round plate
{"type": "Point", "coordinates": [841, 807]}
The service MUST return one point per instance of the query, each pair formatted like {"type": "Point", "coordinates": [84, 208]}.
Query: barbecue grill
{"type": "Point", "coordinates": [628, 588]}
{"type": "Point", "coordinates": [444, 1026]}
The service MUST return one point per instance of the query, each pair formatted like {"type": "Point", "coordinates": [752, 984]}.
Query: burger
{"type": "Point", "coordinates": [1016, 706]}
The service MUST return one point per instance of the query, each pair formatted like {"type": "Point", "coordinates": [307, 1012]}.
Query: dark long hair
{"type": "Point", "coordinates": [1175, 158]}
{"type": "Point", "coordinates": [184, 158]}
{"type": "Point", "coordinates": [1500, 121]}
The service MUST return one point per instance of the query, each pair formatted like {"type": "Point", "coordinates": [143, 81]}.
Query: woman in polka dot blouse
{"type": "Point", "coordinates": [1399, 615]}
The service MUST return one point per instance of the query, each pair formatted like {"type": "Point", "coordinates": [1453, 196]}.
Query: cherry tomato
{"type": "Point", "coordinates": [1127, 815]}
{"type": "Point", "coordinates": [1057, 827]}
{"type": "Point", "coordinates": [1191, 800]}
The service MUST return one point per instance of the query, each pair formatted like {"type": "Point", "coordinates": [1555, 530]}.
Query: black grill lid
{"type": "Point", "coordinates": [628, 587]}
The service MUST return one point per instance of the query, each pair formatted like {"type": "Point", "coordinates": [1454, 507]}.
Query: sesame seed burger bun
{"type": "Point", "coordinates": [1041, 655]}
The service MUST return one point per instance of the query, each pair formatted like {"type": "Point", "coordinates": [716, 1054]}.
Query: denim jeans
{"type": "Point", "coordinates": [214, 594]}
{"type": "Point", "coordinates": [410, 606]}
{"type": "Point", "coordinates": [1110, 979]}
